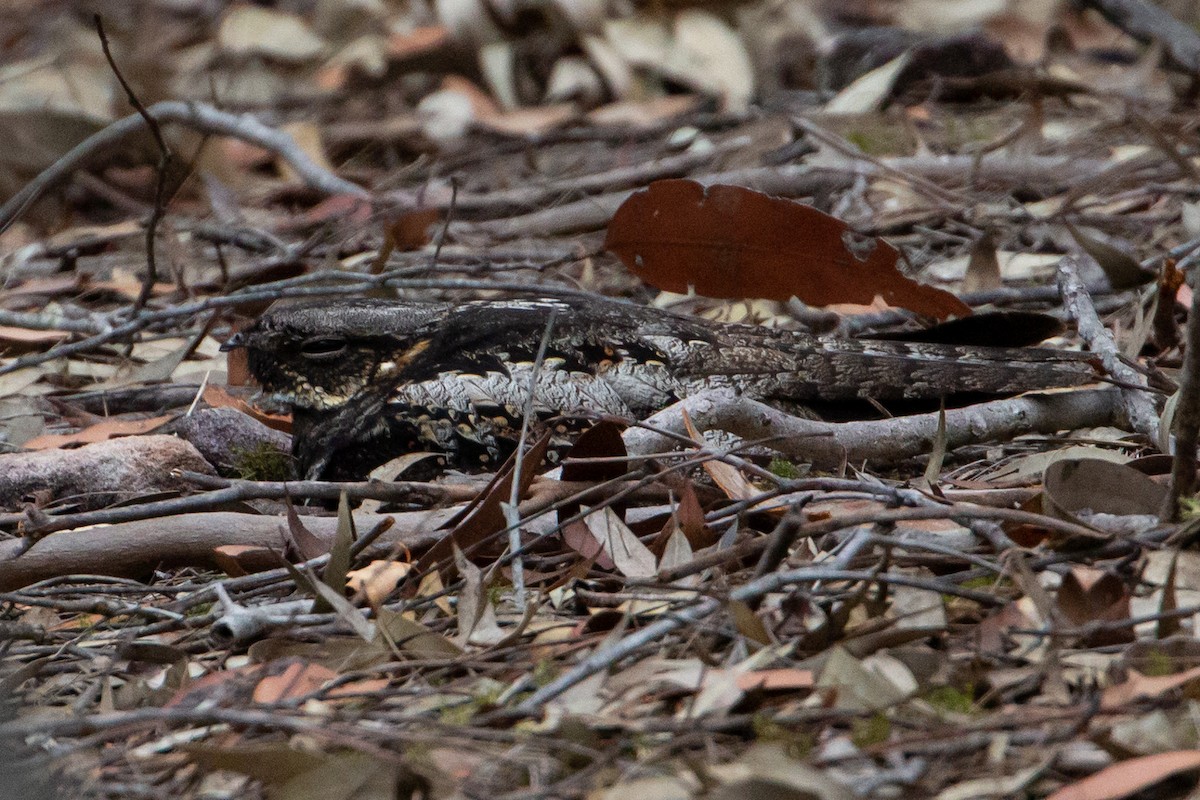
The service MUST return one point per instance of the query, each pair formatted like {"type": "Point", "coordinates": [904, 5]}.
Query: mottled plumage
{"type": "Point", "coordinates": [369, 379]}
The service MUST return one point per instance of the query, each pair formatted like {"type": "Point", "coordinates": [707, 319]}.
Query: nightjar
{"type": "Point", "coordinates": [368, 380]}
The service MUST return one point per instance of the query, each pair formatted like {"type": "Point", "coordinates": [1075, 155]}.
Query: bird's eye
{"type": "Point", "coordinates": [322, 348]}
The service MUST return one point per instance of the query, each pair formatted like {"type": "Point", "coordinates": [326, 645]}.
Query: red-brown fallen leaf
{"type": "Point", "coordinates": [365, 686]}
{"type": "Point", "coordinates": [237, 368]}
{"type": "Point", "coordinates": [537, 119]}
{"type": "Point", "coordinates": [410, 231]}
{"type": "Point", "coordinates": [240, 153]}
{"type": "Point", "coordinates": [773, 680]}
{"type": "Point", "coordinates": [578, 538]}
{"type": "Point", "coordinates": [482, 104]}
{"type": "Point", "coordinates": [52, 286]}
{"type": "Point", "coordinates": [1129, 776]}
{"type": "Point", "coordinates": [220, 685]}
{"type": "Point", "coordinates": [237, 560]}
{"type": "Point", "coordinates": [729, 242]}
{"type": "Point", "coordinates": [109, 429]}
{"type": "Point", "coordinates": [1088, 595]}
{"type": "Point", "coordinates": [298, 680]}
{"type": "Point", "coordinates": [217, 397]}
{"type": "Point", "coordinates": [125, 284]}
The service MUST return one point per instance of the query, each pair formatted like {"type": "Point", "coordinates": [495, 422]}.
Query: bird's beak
{"type": "Point", "coordinates": [235, 341]}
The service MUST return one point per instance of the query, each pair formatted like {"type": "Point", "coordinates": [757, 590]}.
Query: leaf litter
{"type": "Point", "coordinates": [1014, 615]}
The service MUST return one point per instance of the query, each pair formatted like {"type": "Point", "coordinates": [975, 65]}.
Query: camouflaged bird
{"type": "Point", "coordinates": [368, 380]}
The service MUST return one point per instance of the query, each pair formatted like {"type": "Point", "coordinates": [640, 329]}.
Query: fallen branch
{"type": "Point", "coordinates": [594, 212]}
{"type": "Point", "coordinates": [135, 548]}
{"type": "Point", "coordinates": [198, 116]}
{"type": "Point", "coordinates": [828, 445]}
{"type": "Point", "coordinates": [1137, 403]}
{"type": "Point", "coordinates": [240, 491]}
{"type": "Point", "coordinates": [1149, 23]}
{"type": "Point", "coordinates": [98, 473]}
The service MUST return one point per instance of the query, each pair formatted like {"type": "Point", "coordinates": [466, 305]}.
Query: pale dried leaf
{"type": "Point", "coordinates": [631, 558]}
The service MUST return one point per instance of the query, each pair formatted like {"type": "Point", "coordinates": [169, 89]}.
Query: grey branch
{"type": "Point", "coordinates": [828, 445]}
{"type": "Point", "coordinates": [1136, 400]}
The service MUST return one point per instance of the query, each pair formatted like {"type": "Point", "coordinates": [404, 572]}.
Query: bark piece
{"type": "Point", "coordinates": [101, 473]}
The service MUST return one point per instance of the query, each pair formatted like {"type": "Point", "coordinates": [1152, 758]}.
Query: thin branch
{"type": "Point", "coordinates": [829, 444]}
{"type": "Point", "coordinates": [1187, 419]}
{"type": "Point", "coordinates": [1136, 400]}
{"type": "Point", "coordinates": [198, 116]}
{"type": "Point", "coordinates": [512, 516]}
{"type": "Point", "coordinates": [164, 161]}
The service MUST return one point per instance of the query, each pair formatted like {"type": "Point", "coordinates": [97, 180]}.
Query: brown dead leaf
{"type": "Point", "coordinates": [1141, 686]}
{"type": "Point", "coordinates": [983, 268]}
{"type": "Point", "coordinates": [51, 286]}
{"type": "Point", "coordinates": [481, 102]}
{"type": "Point", "coordinates": [524, 121]}
{"type": "Point", "coordinates": [237, 560]}
{"type": "Point", "coordinates": [727, 476]}
{"type": "Point", "coordinates": [297, 680]}
{"type": "Point", "coordinates": [344, 209]}
{"type": "Point", "coordinates": [630, 557]}
{"type": "Point", "coordinates": [1100, 486]}
{"type": "Point", "coordinates": [217, 397]}
{"type": "Point", "coordinates": [776, 680]}
{"type": "Point", "coordinates": [579, 538]}
{"type": "Point", "coordinates": [645, 114]}
{"type": "Point", "coordinates": [729, 241]}
{"type": "Point", "coordinates": [484, 515]}
{"type": "Point", "coordinates": [1129, 776]}
{"type": "Point", "coordinates": [1091, 595]}
{"type": "Point", "coordinates": [109, 429]}
{"type": "Point", "coordinates": [23, 340]}
{"type": "Point", "coordinates": [411, 230]}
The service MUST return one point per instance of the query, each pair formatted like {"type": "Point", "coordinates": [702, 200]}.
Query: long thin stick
{"type": "Point", "coordinates": [512, 516]}
{"type": "Point", "coordinates": [164, 161]}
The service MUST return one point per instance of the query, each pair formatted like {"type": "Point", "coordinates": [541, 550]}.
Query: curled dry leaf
{"type": "Point", "coordinates": [1075, 486]}
{"type": "Point", "coordinates": [377, 580]}
{"type": "Point", "coordinates": [729, 241]}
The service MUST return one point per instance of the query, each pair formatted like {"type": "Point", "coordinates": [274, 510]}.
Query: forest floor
{"type": "Point", "coordinates": [996, 600]}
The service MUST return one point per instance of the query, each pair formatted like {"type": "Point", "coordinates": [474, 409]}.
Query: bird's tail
{"type": "Point", "coordinates": [802, 367]}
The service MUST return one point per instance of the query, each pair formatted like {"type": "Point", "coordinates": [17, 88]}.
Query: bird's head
{"type": "Point", "coordinates": [320, 356]}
